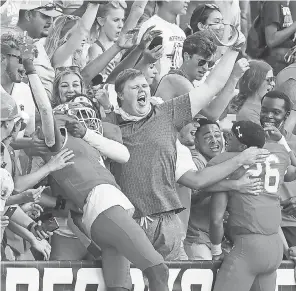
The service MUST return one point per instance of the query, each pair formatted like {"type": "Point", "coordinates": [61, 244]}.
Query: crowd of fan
{"type": "Point", "coordinates": [110, 57]}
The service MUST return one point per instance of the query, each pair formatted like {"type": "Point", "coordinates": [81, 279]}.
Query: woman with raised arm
{"type": "Point", "coordinates": [67, 37]}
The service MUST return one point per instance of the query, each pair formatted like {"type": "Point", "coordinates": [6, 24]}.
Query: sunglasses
{"type": "Point", "coordinates": [74, 69]}
{"type": "Point", "coordinates": [20, 60]}
{"type": "Point", "coordinates": [202, 63]}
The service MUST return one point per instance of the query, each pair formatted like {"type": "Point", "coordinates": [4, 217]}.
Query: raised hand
{"type": "Point", "coordinates": [128, 40]}
{"type": "Point", "coordinates": [27, 48]}
{"type": "Point", "coordinates": [240, 67]}
{"type": "Point", "coordinates": [60, 160]}
{"type": "Point", "coordinates": [102, 97]}
{"type": "Point", "coordinates": [152, 56]}
{"type": "Point", "coordinates": [148, 36]}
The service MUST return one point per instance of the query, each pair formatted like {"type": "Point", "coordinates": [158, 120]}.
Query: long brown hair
{"type": "Point", "coordinates": [251, 81]}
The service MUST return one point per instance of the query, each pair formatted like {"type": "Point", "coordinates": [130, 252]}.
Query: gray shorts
{"type": "Point", "coordinates": [165, 233]}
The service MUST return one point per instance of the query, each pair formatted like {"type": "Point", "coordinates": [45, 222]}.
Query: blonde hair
{"type": "Point", "coordinates": [59, 33]}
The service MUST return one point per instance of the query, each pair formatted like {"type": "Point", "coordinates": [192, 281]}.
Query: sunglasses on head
{"type": "Point", "coordinates": [20, 60]}
{"type": "Point", "coordinates": [74, 69]}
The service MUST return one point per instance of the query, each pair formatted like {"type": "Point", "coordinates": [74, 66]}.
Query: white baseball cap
{"type": "Point", "coordinates": [46, 7]}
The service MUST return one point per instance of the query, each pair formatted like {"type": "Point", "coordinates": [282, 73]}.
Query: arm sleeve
{"type": "Point", "coordinates": [184, 161]}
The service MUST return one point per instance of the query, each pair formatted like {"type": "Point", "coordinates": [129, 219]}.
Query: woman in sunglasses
{"type": "Point", "coordinates": [65, 44]}
{"type": "Point", "coordinates": [255, 83]}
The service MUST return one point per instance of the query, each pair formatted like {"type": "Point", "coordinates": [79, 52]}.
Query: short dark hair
{"type": "Point", "coordinates": [122, 78]}
{"type": "Point", "coordinates": [200, 15]}
{"type": "Point", "coordinates": [202, 122]}
{"type": "Point", "coordinates": [279, 95]}
{"type": "Point", "coordinates": [200, 43]}
{"type": "Point", "coordinates": [249, 133]}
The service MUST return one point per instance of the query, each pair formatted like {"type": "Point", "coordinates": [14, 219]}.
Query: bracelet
{"type": "Point", "coordinates": [29, 227]}
{"type": "Point", "coordinates": [216, 250]}
{"type": "Point", "coordinates": [283, 142]}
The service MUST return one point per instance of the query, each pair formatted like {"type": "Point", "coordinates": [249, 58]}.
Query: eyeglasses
{"type": "Point", "coordinates": [20, 60]}
{"type": "Point", "coordinates": [203, 62]}
{"type": "Point", "coordinates": [270, 80]}
{"type": "Point", "coordinates": [74, 69]}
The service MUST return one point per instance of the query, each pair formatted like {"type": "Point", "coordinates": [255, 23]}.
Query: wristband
{"type": "Point", "coordinates": [216, 250]}
{"type": "Point", "coordinates": [283, 142]}
{"type": "Point", "coordinates": [29, 227]}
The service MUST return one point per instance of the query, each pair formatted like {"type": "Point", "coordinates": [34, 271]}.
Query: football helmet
{"type": "Point", "coordinates": [81, 109]}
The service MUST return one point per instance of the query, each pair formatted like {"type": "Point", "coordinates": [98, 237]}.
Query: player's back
{"type": "Point", "coordinates": [78, 180]}
{"type": "Point", "coordinates": [262, 213]}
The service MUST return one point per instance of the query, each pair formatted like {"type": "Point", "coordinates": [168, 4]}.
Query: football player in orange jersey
{"type": "Point", "coordinates": [254, 221]}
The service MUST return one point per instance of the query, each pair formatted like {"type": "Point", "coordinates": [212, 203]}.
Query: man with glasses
{"type": "Point", "coordinates": [198, 51]}
{"type": "Point", "coordinates": [12, 74]}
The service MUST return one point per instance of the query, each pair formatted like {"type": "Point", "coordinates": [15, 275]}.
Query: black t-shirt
{"type": "Point", "coordinates": [278, 12]}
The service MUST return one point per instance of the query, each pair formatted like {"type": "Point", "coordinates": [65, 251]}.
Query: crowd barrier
{"type": "Point", "coordinates": [87, 276]}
